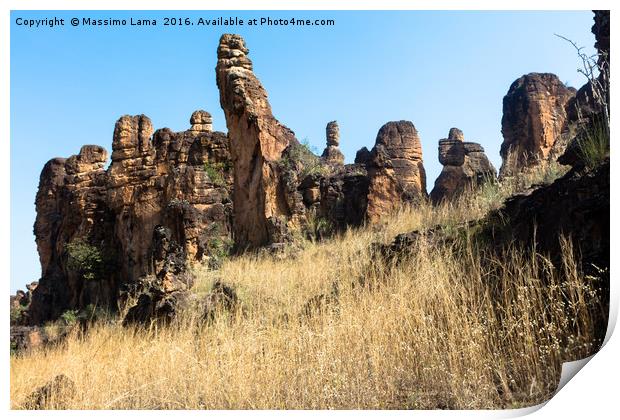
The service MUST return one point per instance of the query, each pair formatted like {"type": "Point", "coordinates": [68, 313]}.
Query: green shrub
{"type": "Point", "coordinates": [217, 251]}
{"type": "Point", "coordinates": [92, 313]}
{"type": "Point", "coordinates": [16, 314]}
{"type": "Point", "coordinates": [304, 155]}
{"type": "Point", "coordinates": [69, 317]}
{"type": "Point", "coordinates": [317, 227]}
{"type": "Point", "coordinates": [87, 260]}
{"type": "Point", "coordinates": [593, 144]}
{"type": "Point", "coordinates": [215, 171]}
{"type": "Point", "coordinates": [219, 248]}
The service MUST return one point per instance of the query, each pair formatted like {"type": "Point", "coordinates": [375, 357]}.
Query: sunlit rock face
{"type": "Point", "coordinates": [332, 154]}
{"type": "Point", "coordinates": [466, 166]}
{"type": "Point", "coordinates": [533, 121]}
{"type": "Point", "coordinates": [180, 181]}
{"type": "Point", "coordinates": [395, 170]}
{"type": "Point", "coordinates": [257, 141]}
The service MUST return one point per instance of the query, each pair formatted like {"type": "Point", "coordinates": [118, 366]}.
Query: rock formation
{"type": "Point", "coordinates": [169, 199]}
{"type": "Point", "coordinates": [588, 112]}
{"type": "Point", "coordinates": [22, 299]}
{"type": "Point", "coordinates": [332, 154]}
{"type": "Point", "coordinates": [465, 166]}
{"type": "Point", "coordinates": [533, 121]}
{"type": "Point", "coordinates": [24, 339]}
{"type": "Point", "coordinates": [95, 226]}
{"type": "Point", "coordinates": [363, 156]}
{"type": "Point", "coordinates": [600, 29]}
{"type": "Point", "coordinates": [257, 141]}
{"type": "Point", "coordinates": [344, 197]}
{"type": "Point", "coordinates": [201, 121]}
{"type": "Point", "coordinates": [396, 172]}
{"type": "Point", "coordinates": [53, 395]}
{"type": "Point", "coordinates": [161, 294]}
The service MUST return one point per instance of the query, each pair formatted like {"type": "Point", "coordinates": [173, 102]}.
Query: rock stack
{"type": "Point", "coordinates": [201, 121]}
{"type": "Point", "coordinates": [257, 141]}
{"type": "Point", "coordinates": [332, 154]}
{"type": "Point", "coordinates": [395, 169]}
{"type": "Point", "coordinates": [465, 167]}
{"type": "Point", "coordinates": [533, 121]}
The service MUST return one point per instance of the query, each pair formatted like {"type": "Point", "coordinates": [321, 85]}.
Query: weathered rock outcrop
{"type": "Point", "coordinates": [22, 299]}
{"type": "Point", "coordinates": [95, 226]}
{"type": "Point", "coordinates": [221, 299]}
{"type": "Point", "coordinates": [587, 103]}
{"type": "Point", "coordinates": [600, 29]}
{"type": "Point", "coordinates": [588, 112]}
{"type": "Point", "coordinates": [53, 395]}
{"type": "Point", "coordinates": [257, 141]}
{"type": "Point", "coordinates": [344, 197]}
{"type": "Point", "coordinates": [533, 121]}
{"type": "Point", "coordinates": [70, 204]}
{"type": "Point", "coordinates": [167, 199]}
{"type": "Point", "coordinates": [396, 172]}
{"type": "Point", "coordinates": [161, 294]}
{"type": "Point", "coordinates": [465, 166]}
{"type": "Point", "coordinates": [575, 207]}
{"type": "Point", "coordinates": [332, 154]}
{"type": "Point", "coordinates": [363, 156]}
{"type": "Point", "coordinates": [25, 338]}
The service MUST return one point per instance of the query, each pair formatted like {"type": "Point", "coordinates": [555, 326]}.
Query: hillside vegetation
{"type": "Point", "coordinates": [330, 325]}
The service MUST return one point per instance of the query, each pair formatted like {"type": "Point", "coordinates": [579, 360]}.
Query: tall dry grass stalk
{"type": "Point", "coordinates": [446, 327]}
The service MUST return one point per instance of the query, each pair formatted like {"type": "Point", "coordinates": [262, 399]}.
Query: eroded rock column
{"type": "Point", "coordinates": [332, 154]}
{"type": "Point", "coordinates": [533, 121]}
{"type": "Point", "coordinates": [257, 140]}
{"type": "Point", "coordinates": [465, 167]}
{"type": "Point", "coordinates": [395, 170]}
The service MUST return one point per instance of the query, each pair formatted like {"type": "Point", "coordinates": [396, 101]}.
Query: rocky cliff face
{"type": "Point", "coordinates": [71, 205]}
{"type": "Point", "coordinates": [95, 226]}
{"type": "Point", "coordinates": [257, 141]}
{"type": "Point", "coordinates": [600, 29]}
{"type": "Point", "coordinates": [533, 122]}
{"type": "Point", "coordinates": [588, 112]}
{"type": "Point", "coordinates": [465, 166]}
{"type": "Point", "coordinates": [396, 172]}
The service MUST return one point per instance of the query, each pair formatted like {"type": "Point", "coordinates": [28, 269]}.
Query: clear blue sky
{"type": "Point", "coordinates": [437, 69]}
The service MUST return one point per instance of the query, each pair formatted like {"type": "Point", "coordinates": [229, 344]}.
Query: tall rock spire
{"type": "Point", "coordinates": [257, 141]}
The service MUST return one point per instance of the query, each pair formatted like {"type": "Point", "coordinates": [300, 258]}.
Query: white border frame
{"type": "Point", "coordinates": [593, 395]}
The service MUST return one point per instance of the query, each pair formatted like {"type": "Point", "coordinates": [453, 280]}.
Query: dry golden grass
{"type": "Point", "coordinates": [445, 328]}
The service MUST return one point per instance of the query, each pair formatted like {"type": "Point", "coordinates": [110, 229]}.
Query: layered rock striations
{"type": "Point", "coordinates": [332, 154]}
{"type": "Point", "coordinates": [95, 226]}
{"type": "Point", "coordinates": [257, 141]}
{"type": "Point", "coordinates": [395, 169]}
{"type": "Point", "coordinates": [534, 118]}
{"type": "Point", "coordinates": [466, 166]}
{"type": "Point", "coordinates": [71, 204]}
